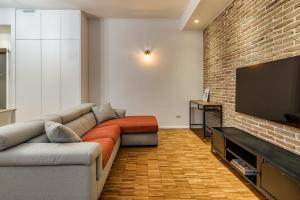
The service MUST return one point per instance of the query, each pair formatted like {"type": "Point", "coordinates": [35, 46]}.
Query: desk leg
{"type": "Point", "coordinates": [204, 129]}
{"type": "Point", "coordinates": [190, 110]}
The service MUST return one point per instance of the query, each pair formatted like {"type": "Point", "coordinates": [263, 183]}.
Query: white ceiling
{"type": "Point", "coordinates": [186, 10]}
{"type": "Point", "coordinates": [205, 11]}
{"type": "Point", "coordinates": [109, 8]}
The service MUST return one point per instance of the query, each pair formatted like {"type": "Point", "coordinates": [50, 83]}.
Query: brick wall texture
{"type": "Point", "coordinates": [249, 32]}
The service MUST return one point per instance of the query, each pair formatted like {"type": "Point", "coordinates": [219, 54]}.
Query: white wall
{"type": "Point", "coordinates": [162, 87]}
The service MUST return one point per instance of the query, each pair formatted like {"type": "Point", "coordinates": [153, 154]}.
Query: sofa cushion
{"type": "Point", "coordinates": [106, 148]}
{"type": "Point", "coordinates": [58, 133]}
{"type": "Point", "coordinates": [82, 124]}
{"type": "Point", "coordinates": [134, 124]}
{"type": "Point", "coordinates": [112, 132]}
{"type": "Point", "coordinates": [39, 139]}
{"type": "Point", "coordinates": [17, 133]}
{"type": "Point", "coordinates": [104, 113]}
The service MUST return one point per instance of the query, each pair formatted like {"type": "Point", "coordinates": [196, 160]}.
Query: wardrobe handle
{"type": "Point", "coordinates": [28, 11]}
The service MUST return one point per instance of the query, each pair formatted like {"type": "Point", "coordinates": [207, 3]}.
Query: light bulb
{"type": "Point", "coordinates": [147, 55]}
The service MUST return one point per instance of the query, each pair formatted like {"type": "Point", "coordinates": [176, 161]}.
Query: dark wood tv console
{"type": "Point", "coordinates": [277, 171]}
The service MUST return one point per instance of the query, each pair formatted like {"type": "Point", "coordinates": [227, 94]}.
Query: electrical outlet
{"type": "Point", "coordinates": [178, 116]}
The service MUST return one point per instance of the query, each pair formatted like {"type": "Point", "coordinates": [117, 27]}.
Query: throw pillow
{"type": "Point", "coordinates": [58, 133]}
{"type": "Point", "coordinates": [104, 112]}
{"type": "Point", "coordinates": [120, 112]}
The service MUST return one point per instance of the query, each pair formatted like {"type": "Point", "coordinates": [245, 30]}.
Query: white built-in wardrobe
{"type": "Point", "coordinates": [51, 61]}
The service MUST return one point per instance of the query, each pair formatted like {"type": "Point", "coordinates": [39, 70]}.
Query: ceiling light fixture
{"type": "Point", "coordinates": [147, 55]}
{"type": "Point", "coordinates": [196, 21]}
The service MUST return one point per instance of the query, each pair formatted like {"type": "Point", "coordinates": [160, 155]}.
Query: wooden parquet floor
{"type": "Point", "coordinates": [181, 167]}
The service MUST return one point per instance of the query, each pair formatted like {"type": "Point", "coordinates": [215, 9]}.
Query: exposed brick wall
{"type": "Point", "coordinates": [246, 33]}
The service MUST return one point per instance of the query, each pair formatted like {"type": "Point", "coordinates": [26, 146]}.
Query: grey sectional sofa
{"type": "Point", "coordinates": [31, 168]}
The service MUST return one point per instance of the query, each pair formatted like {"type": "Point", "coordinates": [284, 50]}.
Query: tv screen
{"type": "Point", "coordinates": [270, 91]}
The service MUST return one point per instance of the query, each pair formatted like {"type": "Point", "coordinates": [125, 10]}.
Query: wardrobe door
{"type": "Point", "coordinates": [50, 24]}
{"type": "Point", "coordinates": [50, 76]}
{"type": "Point", "coordinates": [28, 24]}
{"type": "Point", "coordinates": [70, 73]}
{"type": "Point", "coordinates": [28, 79]}
{"type": "Point", "coordinates": [70, 24]}
{"type": "Point", "coordinates": [6, 16]}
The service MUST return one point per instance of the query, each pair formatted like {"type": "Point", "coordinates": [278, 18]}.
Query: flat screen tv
{"type": "Point", "coordinates": [270, 91]}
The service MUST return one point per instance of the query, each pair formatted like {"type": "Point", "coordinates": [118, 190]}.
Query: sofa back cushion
{"type": "Point", "coordinates": [69, 115]}
{"type": "Point", "coordinates": [85, 108]}
{"type": "Point", "coordinates": [75, 112]}
{"type": "Point", "coordinates": [83, 124]}
{"type": "Point", "coordinates": [14, 134]}
{"type": "Point", "coordinates": [52, 118]}
{"type": "Point", "coordinates": [80, 126]}
{"type": "Point", "coordinates": [43, 138]}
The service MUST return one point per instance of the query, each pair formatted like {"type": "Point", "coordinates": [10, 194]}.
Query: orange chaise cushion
{"type": "Point", "coordinates": [134, 124]}
{"type": "Point", "coordinates": [112, 132]}
{"type": "Point", "coordinates": [106, 148]}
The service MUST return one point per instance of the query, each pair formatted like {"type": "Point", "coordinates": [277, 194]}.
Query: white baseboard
{"type": "Point", "coordinates": [173, 127]}
{"type": "Point", "coordinates": [177, 127]}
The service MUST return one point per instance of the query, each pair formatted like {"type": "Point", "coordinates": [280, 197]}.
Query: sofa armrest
{"type": "Point", "coordinates": [50, 154]}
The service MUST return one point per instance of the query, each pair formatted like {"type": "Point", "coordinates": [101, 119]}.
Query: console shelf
{"type": "Point", "coordinates": [276, 172]}
{"type": "Point", "coordinates": [242, 154]}
{"type": "Point", "coordinates": [251, 178]}
{"type": "Point", "coordinates": [234, 155]}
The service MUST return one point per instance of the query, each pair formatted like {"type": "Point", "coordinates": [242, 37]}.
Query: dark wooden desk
{"type": "Point", "coordinates": [206, 107]}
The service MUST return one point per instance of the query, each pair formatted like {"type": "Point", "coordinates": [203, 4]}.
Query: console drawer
{"type": "Point", "coordinates": [278, 184]}
{"type": "Point", "coordinates": [218, 143]}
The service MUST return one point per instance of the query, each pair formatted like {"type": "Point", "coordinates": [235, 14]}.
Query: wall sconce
{"type": "Point", "coordinates": [147, 55]}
